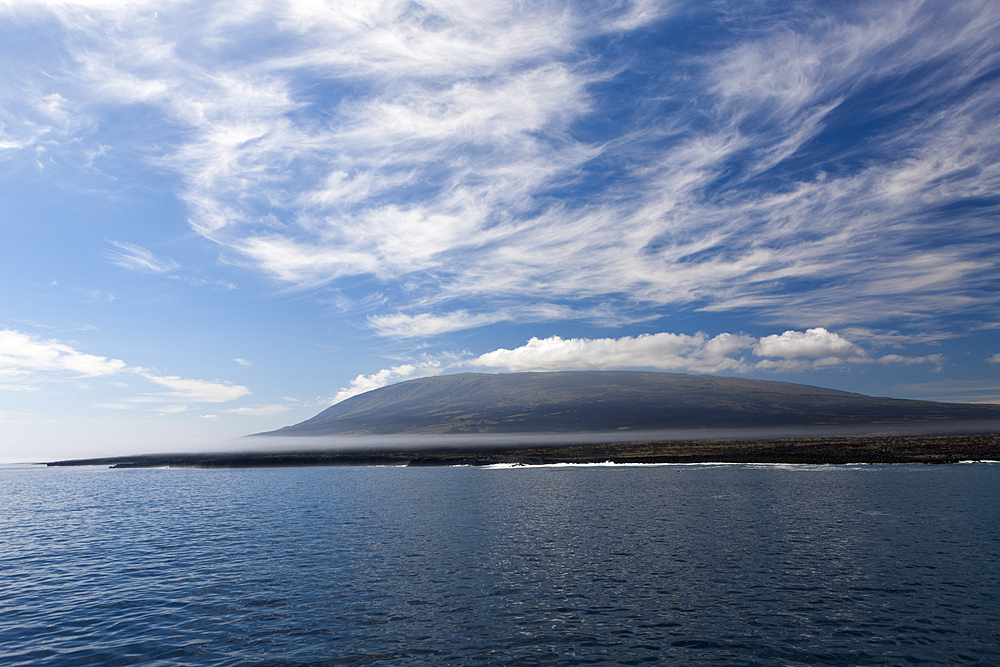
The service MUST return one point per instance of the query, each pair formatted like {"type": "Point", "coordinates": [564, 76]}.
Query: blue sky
{"type": "Point", "coordinates": [219, 218]}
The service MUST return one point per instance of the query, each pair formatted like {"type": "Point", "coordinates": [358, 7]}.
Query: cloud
{"type": "Point", "coordinates": [217, 285]}
{"type": "Point", "coordinates": [790, 351]}
{"type": "Point", "coordinates": [137, 258]}
{"type": "Point", "coordinates": [23, 354]}
{"type": "Point", "coordinates": [96, 295]}
{"type": "Point", "coordinates": [995, 359]}
{"type": "Point", "coordinates": [815, 343]}
{"type": "Point", "coordinates": [363, 383]}
{"type": "Point", "coordinates": [423, 325]}
{"type": "Point", "coordinates": [464, 153]}
{"type": "Point", "coordinates": [802, 350]}
{"type": "Point", "coordinates": [895, 338]}
{"type": "Point", "coordinates": [8, 143]}
{"type": "Point", "coordinates": [199, 391]}
{"type": "Point", "coordinates": [663, 351]}
{"type": "Point", "coordinates": [261, 410]}
{"type": "Point", "coordinates": [28, 358]}
{"type": "Point", "coordinates": [173, 409]}
{"type": "Point", "coordinates": [936, 359]}
{"type": "Point", "coordinates": [243, 362]}
{"type": "Point", "coordinates": [757, 242]}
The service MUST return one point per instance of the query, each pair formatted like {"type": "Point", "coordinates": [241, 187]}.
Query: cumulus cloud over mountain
{"type": "Point", "coordinates": [733, 353]}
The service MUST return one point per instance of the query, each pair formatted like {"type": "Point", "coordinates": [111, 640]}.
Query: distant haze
{"type": "Point", "coordinates": [411, 442]}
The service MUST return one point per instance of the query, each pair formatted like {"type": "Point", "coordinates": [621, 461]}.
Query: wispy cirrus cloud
{"type": "Point", "coordinates": [198, 391]}
{"type": "Point", "coordinates": [425, 324]}
{"type": "Point", "coordinates": [841, 167]}
{"type": "Point", "coordinates": [754, 242]}
{"type": "Point", "coordinates": [261, 410]}
{"type": "Point", "coordinates": [936, 359]}
{"type": "Point", "coordinates": [422, 325]}
{"type": "Point", "coordinates": [217, 284]}
{"type": "Point", "coordinates": [137, 258]}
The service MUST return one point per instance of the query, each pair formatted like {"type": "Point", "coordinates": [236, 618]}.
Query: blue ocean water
{"type": "Point", "coordinates": [686, 565]}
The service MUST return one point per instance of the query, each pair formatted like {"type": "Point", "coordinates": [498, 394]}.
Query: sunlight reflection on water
{"type": "Point", "coordinates": [698, 565]}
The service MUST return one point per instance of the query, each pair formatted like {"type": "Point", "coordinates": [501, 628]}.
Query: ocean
{"type": "Point", "coordinates": [565, 565]}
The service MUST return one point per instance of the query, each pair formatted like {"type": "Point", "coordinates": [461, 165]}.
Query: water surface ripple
{"type": "Point", "coordinates": [692, 565]}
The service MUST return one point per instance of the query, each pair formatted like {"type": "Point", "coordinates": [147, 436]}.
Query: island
{"type": "Point", "coordinates": [815, 450]}
{"type": "Point", "coordinates": [611, 416]}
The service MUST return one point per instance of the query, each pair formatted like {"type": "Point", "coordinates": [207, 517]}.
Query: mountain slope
{"type": "Point", "coordinates": [598, 401]}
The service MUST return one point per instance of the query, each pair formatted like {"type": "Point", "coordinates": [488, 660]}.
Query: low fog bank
{"type": "Point", "coordinates": [408, 443]}
{"type": "Point", "coordinates": [414, 442]}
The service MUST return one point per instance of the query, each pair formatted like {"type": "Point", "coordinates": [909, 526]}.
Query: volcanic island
{"type": "Point", "coordinates": [621, 417]}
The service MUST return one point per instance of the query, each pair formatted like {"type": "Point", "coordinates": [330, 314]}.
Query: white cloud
{"type": "Point", "coordinates": [261, 410]}
{"type": "Point", "coordinates": [29, 358]}
{"type": "Point", "coordinates": [426, 324]}
{"type": "Point", "coordinates": [363, 383]}
{"type": "Point", "coordinates": [9, 143]}
{"type": "Point", "coordinates": [422, 325]}
{"type": "Point", "coordinates": [440, 161]}
{"type": "Point", "coordinates": [198, 391]}
{"type": "Point", "coordinates": [243, 362]}
{"type": "Point", "coordinates": [787, 352]}
{"type": "Point", "coordinates": [995, 359]}
{"type": "Point", "coordinates": [131, 256]}
{"type": "Point", "coordinates": [815, 343]}
{"type": "Point", "coordinates": [23, 354]}
{"type": "Point", "coordinates": [663, 351]}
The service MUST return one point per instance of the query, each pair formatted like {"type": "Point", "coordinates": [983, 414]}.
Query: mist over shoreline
{"type": "Point", "coordinates": [364, 448]}
{"type": "Point", "coordinates": [834, 446]}
{"type": "Point", "coordinates": [417, 442]}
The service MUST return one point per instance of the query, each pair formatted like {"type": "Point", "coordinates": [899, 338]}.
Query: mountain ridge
{"type": "Point", "coordinates": [606, 401]}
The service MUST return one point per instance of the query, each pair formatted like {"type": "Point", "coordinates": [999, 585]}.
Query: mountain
{"type": "Point", "coordinates": [606, 401]}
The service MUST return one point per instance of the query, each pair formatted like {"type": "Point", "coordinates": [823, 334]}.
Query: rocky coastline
{"type": "Point", "coordinates": [929, 449]}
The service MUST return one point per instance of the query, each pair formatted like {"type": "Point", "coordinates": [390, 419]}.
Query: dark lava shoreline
{"type": "Point", "coordinates": [804, 450]}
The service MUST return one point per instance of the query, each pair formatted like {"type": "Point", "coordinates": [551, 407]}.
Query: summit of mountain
{"type": "Point", "coordinates": [609, 401]}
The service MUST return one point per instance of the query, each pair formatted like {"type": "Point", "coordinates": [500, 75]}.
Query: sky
{"type": "Point", "coordinates": [220, 218]}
